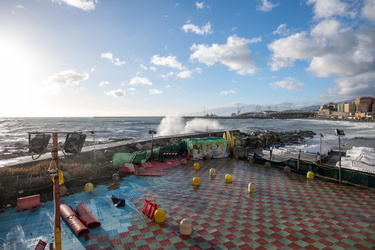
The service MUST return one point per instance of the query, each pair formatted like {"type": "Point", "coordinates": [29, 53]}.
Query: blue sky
{"type": "Point", "coordinates": [144, 57]}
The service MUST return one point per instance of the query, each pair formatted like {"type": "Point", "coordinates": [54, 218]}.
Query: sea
{"type": "Point", "coordinates": [14, 132]}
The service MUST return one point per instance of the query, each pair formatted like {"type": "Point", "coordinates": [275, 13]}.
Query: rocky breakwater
{"type": "Point", "coordinates": [262, 139]}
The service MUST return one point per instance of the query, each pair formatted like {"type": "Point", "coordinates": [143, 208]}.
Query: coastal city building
{"type": "Point", "coordinates": [360, 108]}
{"type": "Point", "coordinates": [364, 104]}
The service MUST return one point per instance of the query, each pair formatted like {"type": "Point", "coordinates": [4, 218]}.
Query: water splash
{"type": "Point", "coordinates": [174, 124]}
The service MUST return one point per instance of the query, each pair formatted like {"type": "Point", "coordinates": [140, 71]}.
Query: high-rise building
{"type": "Point", "coordinates": [340, 107]}
{"type": "Point", "coordinates": [349, 107]}
{"type": "Point", "coordinates": [364, 104]}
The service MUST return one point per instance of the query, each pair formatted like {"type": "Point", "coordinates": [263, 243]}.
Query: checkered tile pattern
{"type": "Point", "coordinates": [287, 211]}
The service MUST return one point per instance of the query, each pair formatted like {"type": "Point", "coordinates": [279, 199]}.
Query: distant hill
{"type": "Point", "coordinates": [316, 107]}
{"type": "Point", "coordinates": [237, 108]}
{"type": "Point", "coordinates": [310, 108]}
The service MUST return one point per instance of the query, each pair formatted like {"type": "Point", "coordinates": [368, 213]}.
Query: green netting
{"type": "Point", "coordinates": [347, 175]}
{"type": "Point", "coordinates": [171, 149]}
{"type": "Point", "coordinates": [188, 144]}
{"type": "Point", "coordinates": [134, 158]}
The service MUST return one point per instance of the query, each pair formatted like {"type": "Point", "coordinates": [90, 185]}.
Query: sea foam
{"type": "Point", "coordinates": [174, 125]}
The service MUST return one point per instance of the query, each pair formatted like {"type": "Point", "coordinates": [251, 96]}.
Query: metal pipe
{"type": "Point", "coordinates": [56, 192]}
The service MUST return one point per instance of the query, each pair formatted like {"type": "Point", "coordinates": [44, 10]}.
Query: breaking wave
{"type": "Point", "coordinates": [174, 125]}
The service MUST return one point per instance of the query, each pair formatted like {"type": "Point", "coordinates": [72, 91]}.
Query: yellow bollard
{"type": "Point", "coordinates": [310, 175]}
{"type": "Point", "coordinates": [197, 166]}
{"type": "Point", "coordinates": [251, 188]}
{"type": "Point", "coordinates": [89, 188]}
{"type": "Point", "coordinates": [159, 215]}
{"type": "Point", "coordinates": [196, 181]}
{"type": "Point", "coordinates": [186, 227]}
{"type": "Point", "coordinates": [212, 171]}
{"type": "Point", "coordinates": [228, 178]}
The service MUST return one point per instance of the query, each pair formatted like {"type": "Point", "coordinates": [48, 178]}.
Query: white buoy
{"type": "Point", "coordinates": [251, 188]}
{"type": "Point", "coordinates": [212, 171]}
{"type": "Point", "coordinates": [186, 227]}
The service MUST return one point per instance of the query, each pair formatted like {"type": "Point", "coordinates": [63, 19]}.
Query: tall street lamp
{"type": "Point", "coordinates": [339, 133]}
{"type": "Point", "coordinates": [152, 133]}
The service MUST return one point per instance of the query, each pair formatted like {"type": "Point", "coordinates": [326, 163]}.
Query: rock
{"type": "Point", "coordinates": [109, 153]}
{"type": "Point", "coordinates": [63, 191]}
{"type": "Point", "coordinates": [98, 155]}
{"type": "Point", "coordinates": [116, 177]}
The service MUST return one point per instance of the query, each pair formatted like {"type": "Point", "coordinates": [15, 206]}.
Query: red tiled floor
{"type": "Point", "coordinates": [287, 211]}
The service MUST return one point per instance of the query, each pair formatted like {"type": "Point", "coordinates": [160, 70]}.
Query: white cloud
{"type": "Point", "coordinates": [234, 54]}
{"type": "Point", "coordinates": [282, 30]}
{"type": "Point", "coordinates": [116, 93]}
{"type": "Point", "coordinates": [266, 6]}
{"type": "Point", "coordinates": [103, 83]}
{"type": "Point", "coordinates": [86, 5]}
{"type": "Point", "coordinates": [226, 92]}
{"type": "Point", "coordinates": [353, 86]}
{"type": "Point", "coordinates": [289, 83]}
{"type": "Point", "coordinates": [168, 74]}
{"type": "Point", "coordinates": [115, 61]}
{"type": "Point", "coordinates": [368, 10]}
{"type": "Point", "coordinates": [140, 80]}
{"type": "Point", "coordinates": [67, 77]}
{"type": "Point", "coordinates": [19, 6]}
{"type": "Point", "coordinates": [333, 47]}
{"type": "Point", "coordinates": [328, 8]}
{"type": "Point", "coordinates": [143, 66]}
{"type": "Point", "coordinates": [204, 30]}
{"type": "Point", "coordinates": [63, 79]}
{"type": "Point", "coordinates": [199, 5]}
{"type": "Point", "coordinates": [184, 74]}
{"type": "Point", "coordinates": [170, 61]}
{"type": "Point", "coordinates": [155, 92]}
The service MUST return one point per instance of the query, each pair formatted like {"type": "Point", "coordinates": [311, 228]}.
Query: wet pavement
{"type": "Point", "coordinates": [287, 211]}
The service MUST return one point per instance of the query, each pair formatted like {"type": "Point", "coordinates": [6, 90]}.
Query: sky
{"type": "Point", "coordinates": [147, 57]}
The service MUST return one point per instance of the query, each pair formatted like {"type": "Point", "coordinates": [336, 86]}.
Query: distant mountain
{"type": "Point", "coordinates": [316, 107]}
{"type": "Point", "coordinates": [310, 108]}
{"type": "Point", "coordinates": [240, 108]}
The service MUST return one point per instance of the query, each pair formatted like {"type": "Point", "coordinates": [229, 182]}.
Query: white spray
{"type": "Point", "coordinates": [174, 124]}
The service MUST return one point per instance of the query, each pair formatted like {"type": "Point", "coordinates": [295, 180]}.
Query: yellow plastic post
{"type": "Point", "coordinates": [196, 181]}
{"type": "Point", "coordinates": [228, 178]}
{"type": "Point", "coordinates": [310, 175]}
{"type": "Point", "coordinates": [197, 166]}
{"type": "Point", "coordinates": [61, 177]}
{"type": "Point", "coordinates": [89, 188]}
{"type": "Point", "coordinates": [159, 215]}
